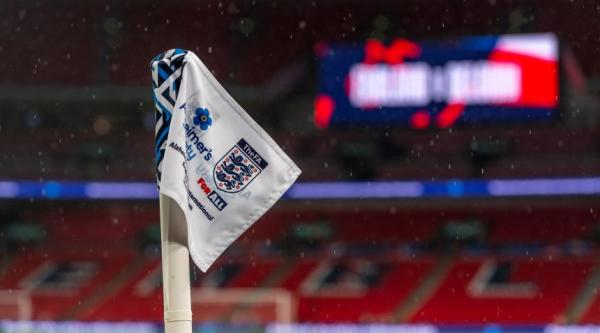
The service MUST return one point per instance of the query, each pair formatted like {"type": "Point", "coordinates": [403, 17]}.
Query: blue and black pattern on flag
{"type": "Point", "coordinates": [166, 79]}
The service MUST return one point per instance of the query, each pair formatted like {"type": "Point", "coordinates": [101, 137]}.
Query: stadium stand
{"type": "Point", "coordinates": [62, 63]}
{"type": "Point", "coordinates": [507, 265]}
{"type": "Point", "coordinates": [461, 153]}
{"type": "Point", "coordinates": [154, 32]}
{"type": "Point", "coordinates": [142, 288]}
{"type": "Point", "coordinates": [524, 261]}
{"type": "Point", "coordinates": [354, 290]}
{"type": "Point", "coordinates": [59, 281]}
{"type": "Point", "coordinates": [592, 315]}
{"type": "Point", "coordinates": [529, 291]}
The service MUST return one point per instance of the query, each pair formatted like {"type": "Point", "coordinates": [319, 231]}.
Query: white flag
{"type": "Point", "coordinates": [213, 160]}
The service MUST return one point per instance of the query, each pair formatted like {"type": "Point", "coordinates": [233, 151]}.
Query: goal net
{"type": "Point", "coordinates": [243, 306]}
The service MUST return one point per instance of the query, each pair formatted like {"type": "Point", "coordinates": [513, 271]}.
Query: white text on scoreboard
{"type": "Point", "coordinates": [419, 84]}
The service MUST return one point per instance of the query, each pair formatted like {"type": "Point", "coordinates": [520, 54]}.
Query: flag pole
{"type": "Point", "coordinates": [175, 268]}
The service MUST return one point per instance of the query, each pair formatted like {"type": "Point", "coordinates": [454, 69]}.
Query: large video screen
{"type": "Point", "coordinates": [437, 84]}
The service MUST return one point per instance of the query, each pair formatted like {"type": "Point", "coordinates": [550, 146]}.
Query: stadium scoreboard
{"type": "Point", "coordinates": [486, 79]}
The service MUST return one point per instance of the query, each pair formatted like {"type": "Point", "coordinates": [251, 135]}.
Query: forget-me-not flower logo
{"type": "Point", "coordinates": [202, 118]}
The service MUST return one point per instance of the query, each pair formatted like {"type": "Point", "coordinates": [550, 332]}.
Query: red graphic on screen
{"type": "Point", "coordinates": [400, 49]}
{"type": "Point", "coordinates": [539, 78]}
{"type": "Point", "coordinates": [324, 107]}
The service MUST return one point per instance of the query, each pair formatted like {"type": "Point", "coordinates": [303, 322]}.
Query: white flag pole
{"type": "Point", "coordinates": [175, 268]}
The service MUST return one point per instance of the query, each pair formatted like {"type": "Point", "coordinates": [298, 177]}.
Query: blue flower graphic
{"type": "Point", "coordinates": [202, 118]}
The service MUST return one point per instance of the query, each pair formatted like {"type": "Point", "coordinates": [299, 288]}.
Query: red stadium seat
{"type": "Point", "coordinates": [554, 282]}
{"type": "Point", "coordinates": [60, 281]}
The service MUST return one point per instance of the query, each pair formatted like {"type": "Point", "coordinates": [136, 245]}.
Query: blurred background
{"type": "Point", "coordinates": [450, 155]}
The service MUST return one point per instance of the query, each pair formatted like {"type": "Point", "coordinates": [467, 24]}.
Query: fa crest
{"type": "Point", "coordinates": [238, 167]}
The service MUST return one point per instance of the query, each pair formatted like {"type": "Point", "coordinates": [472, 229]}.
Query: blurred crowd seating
{"type": "Point", "coordinates": [521, 152]}
{"type": "Point", "coordinates": [243, 42]}
{"type": "Point", "coordinates": [247, 45]}
{"type": "Point", "coordinates": [506, 265]}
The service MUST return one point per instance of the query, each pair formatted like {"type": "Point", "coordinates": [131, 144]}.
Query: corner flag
{"type": "Point", "coordinates": [213, 160]}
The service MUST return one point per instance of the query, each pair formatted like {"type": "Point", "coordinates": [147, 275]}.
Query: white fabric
{"type": "Point", "coordinates": [193, 155]}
